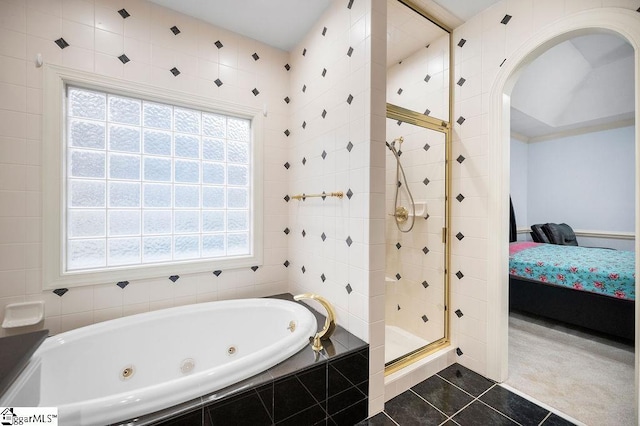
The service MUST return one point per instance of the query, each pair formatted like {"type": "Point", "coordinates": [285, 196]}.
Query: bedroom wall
{"type": "Point", "coordinates": [518, 181]}
{"type": "Point", "coordinates": [584, 180]}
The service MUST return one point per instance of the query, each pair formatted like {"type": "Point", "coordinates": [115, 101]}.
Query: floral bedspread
{"type": "Point", "coordinates": [608, 272]}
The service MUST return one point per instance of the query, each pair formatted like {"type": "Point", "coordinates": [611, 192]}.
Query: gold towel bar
{"type": "Point", "coordinates": [302, 197]}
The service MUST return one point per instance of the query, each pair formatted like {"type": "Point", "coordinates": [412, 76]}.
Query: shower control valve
{"type": "Point", "coordinates": [401, 214]}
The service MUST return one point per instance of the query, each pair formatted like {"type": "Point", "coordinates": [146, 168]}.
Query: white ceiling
{"type": "Point", "coordinates": [583, 82]}
{"type": "Point", "coordinates": [278, 23]}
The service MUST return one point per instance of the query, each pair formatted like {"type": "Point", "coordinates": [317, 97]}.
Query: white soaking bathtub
{"type": "Point", "coordinates": [120, 369]}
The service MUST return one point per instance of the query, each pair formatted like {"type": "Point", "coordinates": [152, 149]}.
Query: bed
{"type": "Point", "coordinates": [588, 287]}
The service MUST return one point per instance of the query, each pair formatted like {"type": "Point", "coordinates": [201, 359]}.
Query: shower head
{"type": "Point", "coordinates": [392, 145]}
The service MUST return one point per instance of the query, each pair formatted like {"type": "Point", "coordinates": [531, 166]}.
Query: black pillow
{"type": "Point", "coordinates": [538, 235]}
{"type": "Point", "coordinates": [561, 234]}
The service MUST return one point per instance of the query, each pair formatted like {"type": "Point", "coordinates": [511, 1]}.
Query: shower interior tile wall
{"type": "Point", "coordinates": [218, 64]}
{"type": "Point", "coordinates": [419, 83]}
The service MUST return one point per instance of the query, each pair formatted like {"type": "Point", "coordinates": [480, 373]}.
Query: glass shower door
{"type": "Point", "coordinates": [416, 292]}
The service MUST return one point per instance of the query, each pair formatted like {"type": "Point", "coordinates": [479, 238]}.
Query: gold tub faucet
{"type": "Point", "coordinates": [329, 323]}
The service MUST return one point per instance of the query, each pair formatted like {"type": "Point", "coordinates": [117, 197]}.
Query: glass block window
{"type": "Point", "coordinates": [149, 182]}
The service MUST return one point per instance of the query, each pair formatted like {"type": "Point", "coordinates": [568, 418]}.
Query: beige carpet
{"type": "Point", "coordinates": [587, 377]}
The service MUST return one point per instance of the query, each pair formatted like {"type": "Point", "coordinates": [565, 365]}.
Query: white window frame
{"type": "Point", "coordinates": [54, 276]}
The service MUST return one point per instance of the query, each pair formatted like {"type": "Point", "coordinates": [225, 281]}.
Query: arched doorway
{"type": "Point", "coordinates": [626, 24]}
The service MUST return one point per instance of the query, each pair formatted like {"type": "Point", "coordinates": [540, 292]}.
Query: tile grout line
{"type": "Point", "coordinates": [495, 409]}
{"type": "Point", "coordinates": [545, 419]}
{"type": "Point", "coordinates": [391, 418]}
{"type": "Point", "coordinates": [419, 396]}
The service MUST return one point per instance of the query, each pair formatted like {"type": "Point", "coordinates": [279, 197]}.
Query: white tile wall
{"type": "Point", "coordinates": [488, 44]}
{"type": "Point", "coordinates": [97, 34]}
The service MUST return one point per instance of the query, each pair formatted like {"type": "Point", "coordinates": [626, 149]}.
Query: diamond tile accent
{"type": "Point", "coordinates": [254, 268]}
{"type": "Point", "coordinates": [349, 146]}
{"type": "Point", "coordinates": [217, 273]}
{"type": "Point", "coordinates": [60, 291]}
{"type": "Point", "coordinates": [304, 124]}
{"type": "Point", "coordinates": [304, 88]}
{"type": "Point", "coordinates": [324, 154]}
{"type": "Point", "coordinates": [124, 13]}
{"type": "Point", "coordinates": [286, 263]}
{"type": "Point", "coordinates": [323, 236]}
{"type": "Point", "coordinates": [287, 198]}
{"type": "Point", "coordinates": [175, 30]}
{"type": "Point", "coordinates": [461, 81]}
{"type": "Point", "coordinates": [348, 288]}
{"type": "Point", "coordinates": [506, 19]}
{"type": "Point", "coordinates": [122, 284]}
{"type": "Point", "coordinates": [427, 216]}
{"type": "Point", "coordinates": [324, 72]}
{"type": "Point", "coordinates": [400, 91]}
{"type": "Point", "coordinates": [398, 246]}
{"type": "Point", "coordinates": [287, 67]}
{"type": "Point", "coordinates": [175, 71]}
{"type": "Point", "coordinates": [62, 43]}
{"type": "Point", "coordinates": [255, 92]}
{"type": "Point", "coordinates": [427, 78]}
{"type": "Point", "coordinates": [424, 318]}
{"type": "Point", "coordinates": [426, 181]}
{"type": "Point", "coordinates": [219, 44]}
{"type": "Point", "coordinates": [349, 193]}
{"type": "Point", "coordinates": [427, 111]}
{"type": "Point", "coordinates": [459, 313]}
{"type": "Point", "coordinates": [460, 159]}
{"type": "Point", "coordinates": [174, 278]}
{"type": "Point", "coordinates": [287, 132]}
{"type": "Point", "coordinates": [459, 351]}
{"type": "Point", "coordinates": [399, 123]}
{"type": "Point", "coordinates": [425, 250]}
{"type": "Point", "coordinates": [255, 56]}
{"type": "Point", "coordinates": [323, 278]}
{"type": "Point", "coordinates": [304, 161]}
{"type": "Point", "coordinates": [398, 276]}
{"type": "Point", "coordinates": [287, 100]}
{"type": "Point", "coordinates": [399, 307]}
{"type": "Point", "coordinates": [426, 147]}
{"type": "Point", "coordinates": [460, 120]}
{"type": "Point", "coordinates": [218, 82]}
{"type": "Point", "coordinates": [304, 233]}
{"type": "Point", "coordinates": [350, 52]}
{"type": "Point", "coordinates": [460, 197]}
{"type": "Point", "coordinates": [462, 42]}
{"type": "Point", "coordinates": [324, 31]}
{"type": "Point", "coordinates": [350, 4]}
{"type": "Point", "coordinates": [349, 241]}
{"type": "Point", "coordinates": [459, 236]}
{"type": "Point", "coordinates": [287, 165]}
{"type": "Point", "coordinates": [425, 284]}
{"type": "Point", "coordinates": [303, 269]}
{"type": "Point", "coordinates": [459, 275]}
{"type": "Point", "coordinates": [304, 52]}
{"type": "Point", "coordinates": [123, 58]}
{"type": "Point", "coordinates": [287, 230]}
{"type": "Point", "coordinates": [350, 99]}
{"type": "Point", "coordinates": [324, 113]}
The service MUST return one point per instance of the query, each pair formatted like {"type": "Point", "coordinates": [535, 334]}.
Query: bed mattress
{"type": "Point", "coordinates": [602, 271]}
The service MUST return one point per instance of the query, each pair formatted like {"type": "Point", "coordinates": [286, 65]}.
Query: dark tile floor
{"type": "Point", "coordinates": [458, 396]}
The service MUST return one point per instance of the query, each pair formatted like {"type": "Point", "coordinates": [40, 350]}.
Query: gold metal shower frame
{"type": "Point", "coordinates": [405, 115]}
